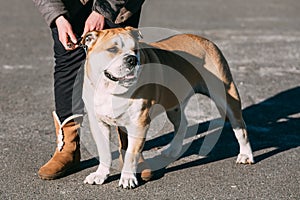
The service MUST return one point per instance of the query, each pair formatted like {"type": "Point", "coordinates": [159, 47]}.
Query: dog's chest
{"type": "Point", "coordinates": [109, 120]}
{"type": "Point", "coordinates": [116, 110]}
{"type": "Point", "coordinates": [109, 108]}
{"type": "Point", "coordinates": [122, 112]}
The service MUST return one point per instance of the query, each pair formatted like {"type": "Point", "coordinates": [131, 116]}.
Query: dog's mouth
{"type": "Point", "coordinates": [127, 77]}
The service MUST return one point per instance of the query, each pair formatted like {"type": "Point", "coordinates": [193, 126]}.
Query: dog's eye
{"type": "Point", "coordinates": [113, 49]}
{"type": "Point", "coordinates": [88, 38]}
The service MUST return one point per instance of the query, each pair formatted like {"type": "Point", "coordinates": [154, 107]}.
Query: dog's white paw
{"type": "Point", "coordinates": [171, 151]}
{"type": "Point", "coordinates": [128, 181]}
{"type": "Point", "coordinates": [97, 178]}
{"type": "Point", "coordinates": [245, 159]}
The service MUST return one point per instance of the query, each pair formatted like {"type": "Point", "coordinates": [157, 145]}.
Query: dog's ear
{"type": "Point", "coordinates": [89, 39]}
{"type": "Point", "coordinates": [136, 33]}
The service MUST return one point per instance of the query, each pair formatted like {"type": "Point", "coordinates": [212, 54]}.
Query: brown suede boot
{"type": "Point", "coordinates": [67, 154]}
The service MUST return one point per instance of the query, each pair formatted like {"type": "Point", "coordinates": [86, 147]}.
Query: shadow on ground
{"type": "Point", "coordinates": [274, 122]}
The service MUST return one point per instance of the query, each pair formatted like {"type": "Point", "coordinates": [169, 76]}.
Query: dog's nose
{"type": "Point", "coordinates": [131, 60]}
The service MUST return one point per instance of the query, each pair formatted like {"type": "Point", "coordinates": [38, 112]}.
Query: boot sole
{"type": "Point", "coordinates": [61, 174]}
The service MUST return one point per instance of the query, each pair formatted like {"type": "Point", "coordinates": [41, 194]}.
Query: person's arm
{"type": "Point", "coordinates": [131, 7]}
{"type": "Point", "coordinates": [95, 22]}
{"type": "Point", "coordinates": [117, 11]}
{"type": "Point", "coordinates": [54, 12]}
{"type": "Point", "coordinates": [65, 33]}
{"type": "Point", "coordinates": [51, 9]}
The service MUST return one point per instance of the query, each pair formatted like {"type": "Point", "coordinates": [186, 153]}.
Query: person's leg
{"type": "Point", "coordinates": [67, 79]}
{"type": "Point", "coordinates": [68, 103]}
{"type": "Point", "coordinates": [68, 71]}
{"type": "Point", "coordinates": [69, 110]}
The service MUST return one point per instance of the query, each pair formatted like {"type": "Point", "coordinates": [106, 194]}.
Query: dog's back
{"type": "Point", "coordinates": [198, 60]}
{"type": "Point", "coordinates": [195, 48]}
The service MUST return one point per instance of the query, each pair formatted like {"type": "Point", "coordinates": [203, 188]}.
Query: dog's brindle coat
{"type": "Point", "coordinates": [115, 66]}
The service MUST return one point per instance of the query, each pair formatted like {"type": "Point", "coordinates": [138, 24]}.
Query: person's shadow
{"type": "Point", "coordinates": [273, 123]}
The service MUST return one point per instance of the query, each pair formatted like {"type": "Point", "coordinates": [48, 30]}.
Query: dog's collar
{"type": "Point", "coordinates": [85, 47]}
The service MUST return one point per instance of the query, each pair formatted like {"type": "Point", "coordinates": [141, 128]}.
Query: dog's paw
{"type": "Point", "coordinates": [128, 181]}
{"type": "Point", "coordinates": [145, 170]}
{"type": "Point", "coordinates": [95, 178]}
{"type": "Point", "coordinates": [171, 151]}
{"type": "Point", "coordinates": [245, 159]}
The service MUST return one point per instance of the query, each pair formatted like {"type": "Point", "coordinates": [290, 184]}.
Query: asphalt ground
{"type": "Point", "coordinates": [261, 41]}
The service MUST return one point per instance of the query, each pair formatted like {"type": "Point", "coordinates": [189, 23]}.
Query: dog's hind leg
{"type": "Point", "coordinates": [234, 113]}
{"type": "Point", "coordinates": [231, 107]}
{"type": "Point", "coordinates": [123, 144]}
{"type": "Point", "coordinates": [101, 135]}
{"type": "Point", "coordinates": [179, 121]}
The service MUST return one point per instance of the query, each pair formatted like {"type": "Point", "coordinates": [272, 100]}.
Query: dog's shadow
{"type": "Point", "coordinates": [273, 125]}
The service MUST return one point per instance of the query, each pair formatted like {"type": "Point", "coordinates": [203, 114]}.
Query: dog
{"type": "Point", "coordinates": [116, 94]}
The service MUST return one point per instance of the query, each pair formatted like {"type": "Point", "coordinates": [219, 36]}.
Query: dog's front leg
{"type": "Point", "coordinates": [101, 135]}
{"type": "Point", "coordinates": [136, 140]}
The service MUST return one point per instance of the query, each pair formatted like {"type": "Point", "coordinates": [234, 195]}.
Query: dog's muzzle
{"type": "Point", "coordinates": [131, 62]}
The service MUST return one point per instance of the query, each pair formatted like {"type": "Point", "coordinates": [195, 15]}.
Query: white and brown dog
{"type": "Point", "coordinates": [116, 94]}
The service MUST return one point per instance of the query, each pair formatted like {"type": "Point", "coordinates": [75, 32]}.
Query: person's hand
{"type": "Point", "coordinates": [65, 33]}
{"type": "Point", "coordinates": [95, 22]}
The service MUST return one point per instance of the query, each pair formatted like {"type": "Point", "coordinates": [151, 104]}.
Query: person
{"type": "Point", "coordinates": [69, 20]}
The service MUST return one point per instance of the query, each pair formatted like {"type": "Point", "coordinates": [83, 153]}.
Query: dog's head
{"type": "Point", "coordinates": [112, 55]}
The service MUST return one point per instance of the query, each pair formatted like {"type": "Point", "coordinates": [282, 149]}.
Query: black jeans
{"type": "Point", "coordinates": [68, 70]}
